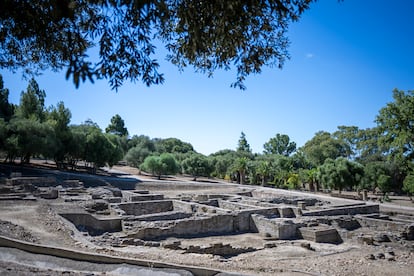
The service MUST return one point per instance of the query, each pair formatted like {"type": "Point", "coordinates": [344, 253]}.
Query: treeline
{"type": "Point", "coordinates": [378, 158]}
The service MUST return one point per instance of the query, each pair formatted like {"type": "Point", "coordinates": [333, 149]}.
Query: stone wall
{"type": "Point", "coordinates": [348, 210]}
{"type": "Point", "coordinates": [381, 224]}
{"type": "Point", "coordinates": [277, 228]}
{"type": "Point", "coordinates": [36, 181]}
{"type": "Point", "coordinates": [163, 216]}
{"type": "Point", "coordinates": [234, 206]}
{"type": "Point", "coordinates": [92, 224]}
{"type": "Point", "coordinates": [322, 234]}
{"type": "Point", "coordinates": [214, 225]}
{"type": "Point", "coordinates": [146, 207]}
{"type": "Point", "coordinates": [132, 196]}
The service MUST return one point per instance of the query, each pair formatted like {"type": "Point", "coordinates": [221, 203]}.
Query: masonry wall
{"type": "Point", "coordinates": [146, 207]}
{"type": "Point", "coordinates": [215, 225]}
{"type": "Point", "coordinates": [277, 228]}
{"type": "Point", "coordinates": [381, 224]}
{"type": "Point", "coordinates": [352, 210]}
{"type": "Point", "coordinates": [92, 224]}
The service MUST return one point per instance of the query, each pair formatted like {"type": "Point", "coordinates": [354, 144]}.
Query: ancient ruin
{"type": "Point", "coordinates": [118, 215]}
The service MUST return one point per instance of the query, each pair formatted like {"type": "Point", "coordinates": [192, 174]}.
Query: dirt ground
{"type": "Point", "coordinates": [38, 221]}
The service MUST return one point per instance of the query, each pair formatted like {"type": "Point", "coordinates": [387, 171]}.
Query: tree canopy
{"type": "Point", "coordinates": [280, 144]}
{"type": "Point", "coordinates": [396, 126]}
{"type": "Point", "coordinates": [243, 146]}
{"type": "Point", "coordinates": [117, 126]}
{"type": "Point", "coordinates": [349, 158]}
{"type": "Point", "coordinates": [208, 35]}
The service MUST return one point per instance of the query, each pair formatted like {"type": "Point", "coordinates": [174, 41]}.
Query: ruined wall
{"type": "Point", "coordinates": [93, 224]}
{"type": "Point", "coordinates": [233, 206]}
{"type": "Point", "coordinates": [381, 224]}
{"type": "Point", "coordinates": [276, 228]}
{"type": "Point", "coordinates": [132, 196]}
{"type": "Point", "coordinates": [146, 207]}
{"type": "Point", "coordinates": [352, 210]}
{"type": "Point", "coordinates": [322, 234]}
{"type": "Point", "coordinates": [218, 224]}
{"type": "Point", "coordinates": [163, 216]}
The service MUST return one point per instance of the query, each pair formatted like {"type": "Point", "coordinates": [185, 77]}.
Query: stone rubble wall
{"type": "Point", "coordinates": [348, 210]}
{"type": "Point", "coordinates": [93, 224]}
{"type": "Point", "coordinates": [196, 226]}
{"type": "Point", "coordinates": [146, 207]}
{"type": "Point", "coordinates": [283, 229]}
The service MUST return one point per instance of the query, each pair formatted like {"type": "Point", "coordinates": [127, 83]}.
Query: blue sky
{"type": "Point", "coordinates": [346, 58]}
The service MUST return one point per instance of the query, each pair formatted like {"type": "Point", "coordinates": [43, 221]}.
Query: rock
{"type": "Point", "coordinates": [368, 240]}
{"type": "Point", "coordinates": [307, 245]}
{"type": "Point", "coordinates": [97, 205]}
{"type": "Point", "coordinates": [370, 257]}
{"type": "Point", "coordinates": [390, 258]}
{"type": "Point", "coordinates": [408, 234]}
{"type": "Point", "coordinates": [270, 245]}
{"type": "Point", "coordinates": [50, 194]}
{"type": "Point", "coordinates": [152, 244]}
{"type": "Point", "coordinates": [116, 192]}
{"type": "Point", "coordinates": [175, 245]}
{"type": "Point", "coordinates": [391, 253]}
{"type": "Point", "coordinates": [381, 238]}
{"type": "Point", "coordinates": [380, 255]}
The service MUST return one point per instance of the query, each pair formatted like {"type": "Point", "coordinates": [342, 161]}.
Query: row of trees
{"type": "Point", "coordinates": [378, 158]}
{"type": "Point", "coordinates": [349, 158]}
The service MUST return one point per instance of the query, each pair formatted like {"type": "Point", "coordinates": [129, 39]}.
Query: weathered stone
{"type": "Point", "coordinates": [381, 238]}
{"type": "Point", "coordinates": [270, 245]}
{"type": "Point", "coordinates": [50, 194]}
{"type": "Point", "coordinates": [322, 234]}
{"type": "Point", "coordinates": [409, 232]}
{"type": "Point", "coordinates": [175, 245]}
{"type": "Point", "coordinates": [302, 205]}
{"type": "Point", "coordinates": [218, 249]}
{"type": "Point", "coordinates": [380, 255]}
{"type": "Point", "coordinates": [307, 246]}
{"type": "Point", "coordinates": [93, 225]}
{"type": "Point", "coordinates": [370, 257]}
{"type": "Point", "coordinates": [276, 228]}
{"type": "Point", "coordinates": [366, 239]}
{"type": "Point", "coordinates": [97, 205]}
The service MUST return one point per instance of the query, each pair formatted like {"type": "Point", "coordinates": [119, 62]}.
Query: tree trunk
{"type": "Point", "coordinates": [242, 177]}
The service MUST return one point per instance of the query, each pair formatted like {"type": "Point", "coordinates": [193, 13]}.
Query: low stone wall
{"type": "Point", "coordinates": [163, 216]}
{"type": "Point", "coordinates": [244, 223]}
{"type": "Point", "coordinates": [146, 207]}
{"type": "Point", "coordinates": [183, 206]}
{"type": "Point", "coordinates": [321, 234]}
{"type": "Point", "coordinates": [349, 210]}
{"type": "Point", "coordinates": [93, 224]}
{"type": "Point", "coordinates": [98, 258]}
{"type": "Point", "coordinates": [347, 196]}
{"type": "Point", "coordinates": [381, 224]}
{"type": "Point", "coordinates": [220, 249]}
{"type": "Point", "coordinates": [132, 196]}
{"type": "Point", "coordinates": [233, 206]}
{"type": "Point", "coordinates": [277, 228]}
{"type": "Point", "coordinates": [36, 181]}
{"type": "Point", "coordinates": [214, 225]}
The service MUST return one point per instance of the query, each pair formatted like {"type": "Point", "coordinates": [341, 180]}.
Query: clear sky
{"type": "Point", "coordinates": [346, 58]}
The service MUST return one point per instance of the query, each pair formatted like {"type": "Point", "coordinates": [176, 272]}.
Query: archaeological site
{"type": "Point", "coordinates": [61, 223]}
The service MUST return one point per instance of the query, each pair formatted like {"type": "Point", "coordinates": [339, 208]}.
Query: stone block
{"type": "Point", "coordinates": [276, 228]}
{"type": "Point", "coordinates": [50, 194]}
{"type": "Point", "coordinates": [320, 234]}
